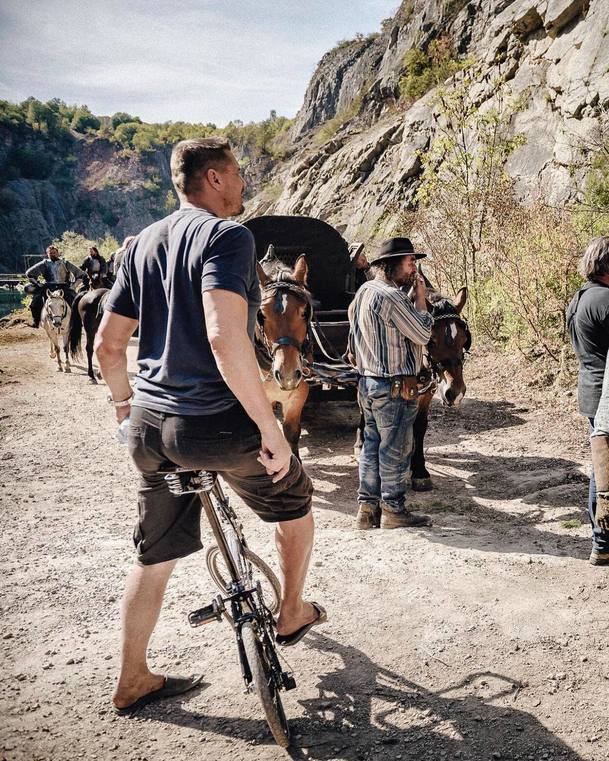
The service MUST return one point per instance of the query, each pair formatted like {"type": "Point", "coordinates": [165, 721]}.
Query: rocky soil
{"type": "Point", "coordinates": [483, 637]}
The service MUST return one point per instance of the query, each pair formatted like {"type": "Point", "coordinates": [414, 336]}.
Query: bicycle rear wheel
{"type": "Point", "coordinates": [264, 686]}
{"type": "Point", "coordinates": [271, 589]}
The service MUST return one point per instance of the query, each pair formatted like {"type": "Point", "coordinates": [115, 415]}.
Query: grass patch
{"type": "Point", "coordinates": [572, 523]}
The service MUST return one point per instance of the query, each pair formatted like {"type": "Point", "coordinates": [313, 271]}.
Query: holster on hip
{"type": "Point", "coordinates": [405, 386]}
{"type": "Point", "coordinates": [600, 462]}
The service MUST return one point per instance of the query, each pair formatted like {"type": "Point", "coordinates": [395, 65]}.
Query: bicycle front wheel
{"type": "Point", "coordinates": [264, 686]}
{"type": "Point", "coordinates": [271, 589]}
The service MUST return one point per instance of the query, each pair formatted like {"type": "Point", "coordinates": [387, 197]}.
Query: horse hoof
{"type": "Point", "coordinates": [92, 381]}
{"type": "Point", "coordinates": [422, 484]}
{"type": "Point", "coordinates": [59, 370]}
{"type": "Point", "coordinates": [68, 370]}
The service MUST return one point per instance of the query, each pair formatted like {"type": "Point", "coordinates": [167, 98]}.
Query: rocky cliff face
{"type": "Point", "coordinates": [102, 190]}
{"type": "Point", "coordinates": [552, 53]}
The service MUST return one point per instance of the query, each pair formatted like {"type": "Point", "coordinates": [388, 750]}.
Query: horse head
{"type": "Point", "coordinates": [56, 308]}
{"type": "Point", "coordinates": [450, 339]}
{"type": "Point", "coordinates": [283, 320]}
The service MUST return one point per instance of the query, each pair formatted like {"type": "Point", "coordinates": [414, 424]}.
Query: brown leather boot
{"type": "Point", "coordinates": [368, 516]}
{"type": "Point", "coordinates": [599, 558]}
{"type": "Point", "coordinates": [404, 519]}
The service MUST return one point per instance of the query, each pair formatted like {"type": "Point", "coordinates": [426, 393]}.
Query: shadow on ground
{"type": "Point", "coordinates": [364, 710]}
{"type": "Point", "coordinates": [466, 484]}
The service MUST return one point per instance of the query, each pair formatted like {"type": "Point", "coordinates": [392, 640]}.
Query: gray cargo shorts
{"type": "Point", "coordinates": [228, 443]}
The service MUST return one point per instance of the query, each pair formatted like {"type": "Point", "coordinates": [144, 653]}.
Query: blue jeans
{"type": "Point", "coordinates": [384, 464]}
{"type": "Point", "coordinates": [600, 539]}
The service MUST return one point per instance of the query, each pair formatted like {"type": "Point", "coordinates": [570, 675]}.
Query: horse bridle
{"type": "Point", "coordinates": [437, 368]}
{"type": "Point", "coordinates": [277, 289]}
{"type": "Point", "coordinates": [50, 314]}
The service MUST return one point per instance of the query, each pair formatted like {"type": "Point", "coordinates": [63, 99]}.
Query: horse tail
{"type": "Point", "coordinates": [75, 329]}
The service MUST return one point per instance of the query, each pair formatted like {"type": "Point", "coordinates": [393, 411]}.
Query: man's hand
{"type": "Point", "coordinates": [275, 455]}
{"type": "Point", "coordinates": [122, 413]}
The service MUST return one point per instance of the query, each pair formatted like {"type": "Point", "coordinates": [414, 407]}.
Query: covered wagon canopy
{"type": "Point", "coordinates": [326, 250]}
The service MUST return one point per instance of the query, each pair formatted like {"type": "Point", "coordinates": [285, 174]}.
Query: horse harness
{"type": "Point", "coordinates": [264, 348]}
{"type": "Point", "coordinates": [50, 314]}
{"type": "Point", "coordinates": [431, 374]}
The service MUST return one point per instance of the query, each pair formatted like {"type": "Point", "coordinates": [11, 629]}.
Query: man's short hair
{"type": "Point", "coordinates": [595, 259]}
{"type": "Point", "coordinates": [52, 248]}
{"type": "Point", "coordinates": [190, 159]}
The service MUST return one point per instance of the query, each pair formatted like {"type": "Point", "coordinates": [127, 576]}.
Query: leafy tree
{"type": "Point", "coordinates": [120, 117]}
{"type": "Point", "coordinates": [84, 121]}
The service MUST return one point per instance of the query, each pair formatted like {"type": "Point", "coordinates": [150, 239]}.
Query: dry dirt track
{"type": "Point", "coordinates": [484, 637]}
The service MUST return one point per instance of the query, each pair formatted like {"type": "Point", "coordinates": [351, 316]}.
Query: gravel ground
{"type": "Point", "coordinates": [483, 637]}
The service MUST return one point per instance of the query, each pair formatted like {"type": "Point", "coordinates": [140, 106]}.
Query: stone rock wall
{"type": "Point", "coordinates": [552, 53]}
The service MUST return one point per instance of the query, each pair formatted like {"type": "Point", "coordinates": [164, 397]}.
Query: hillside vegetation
{"type": "Point", "coordinates": [64, 168]}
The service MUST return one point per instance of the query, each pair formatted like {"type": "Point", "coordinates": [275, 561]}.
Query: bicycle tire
{"type": "Point", "coordinates": [265, 687]}
{"type": "Point", "coordinates": [214, 555]}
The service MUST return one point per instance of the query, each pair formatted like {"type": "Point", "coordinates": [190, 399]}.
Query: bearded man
{"type": "Point", "coordinates": [387, 335]}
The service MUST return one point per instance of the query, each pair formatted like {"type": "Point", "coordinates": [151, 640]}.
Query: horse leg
{"type": "Point", "coordinates": [90, 373]}
{"type": "Point", "coordinates": [66, 350]}
{"type": "Point", "coordinates": [292, 411]}
{"type": "Point", "coordinates": [55, 351]}
{"type": "Point", "coordinates": [421, 479]}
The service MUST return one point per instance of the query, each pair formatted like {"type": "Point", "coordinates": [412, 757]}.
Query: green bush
{"type": "Point", "coordinates": [84, 121]}
{"type": "Point", "coordinates": [33, 162]}
{"type": "Point", "coordinates": [425, 70]}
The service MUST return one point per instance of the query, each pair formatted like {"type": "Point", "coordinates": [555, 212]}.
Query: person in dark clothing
{"type": "Point", "coordinates": [96, 269]}
{"type": "Point", "coordinates": [117, 257]}
{"type": "Point", "coordinates": [190, 283]}
{"type": "Point", "coordinates": [57, 274]}
{"type": "Point", "coordinates": [588, 323]}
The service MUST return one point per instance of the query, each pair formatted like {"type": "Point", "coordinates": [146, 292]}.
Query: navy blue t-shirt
{"type": "Point", "coordinates": [160, 283]}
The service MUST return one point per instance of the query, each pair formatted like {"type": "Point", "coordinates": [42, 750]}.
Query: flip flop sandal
{"type": "Point", "coordinates": [287, 640]}
{"type": "Point", "coordinates": [172, 686]}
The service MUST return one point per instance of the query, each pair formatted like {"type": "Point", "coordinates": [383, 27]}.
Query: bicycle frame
{"type": "Point", "coordinates": [246, 601]}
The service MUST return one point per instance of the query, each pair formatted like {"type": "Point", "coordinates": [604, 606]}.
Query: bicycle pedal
{"type": "Point", "coordinates": [206, 615]}
{"type": "Point", "coordinates": [288, 681]}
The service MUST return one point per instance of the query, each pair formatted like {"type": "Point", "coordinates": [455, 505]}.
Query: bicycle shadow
{"type": "Point", "coordinates": [364, 710]}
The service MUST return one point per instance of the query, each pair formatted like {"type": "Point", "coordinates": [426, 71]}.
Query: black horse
{"type": "Point", "coordinates": [442, 371]}
{"type": "Point", "coordinates": [87, 312]}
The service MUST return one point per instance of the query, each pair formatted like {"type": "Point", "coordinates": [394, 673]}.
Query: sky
{"type": "Point", "coordinates": [192, 60]}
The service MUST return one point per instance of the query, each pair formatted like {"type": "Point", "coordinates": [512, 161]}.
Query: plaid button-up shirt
{"type": "Point", "coordinates": [387, 333]}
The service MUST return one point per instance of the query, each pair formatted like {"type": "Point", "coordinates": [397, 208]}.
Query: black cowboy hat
{"type": "Point", "coordinates": [397, 247]}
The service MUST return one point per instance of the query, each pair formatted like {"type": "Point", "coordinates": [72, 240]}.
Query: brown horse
{"type": "Point", "coordinates": [87, 312]}
{"type": "Point", "coordinates": [282, 339]}
{"type": "Point", "coordinates": [443, 363]}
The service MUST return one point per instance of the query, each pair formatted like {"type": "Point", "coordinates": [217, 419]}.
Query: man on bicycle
{"type": "Point", "coordinates": [189, 282]}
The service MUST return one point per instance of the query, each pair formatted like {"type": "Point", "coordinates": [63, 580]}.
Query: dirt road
{"type": "Point", "coordinates": [484, 637]}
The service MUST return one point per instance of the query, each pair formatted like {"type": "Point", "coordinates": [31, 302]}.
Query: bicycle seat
{"type": "Point", "coordinates": [188, 481]}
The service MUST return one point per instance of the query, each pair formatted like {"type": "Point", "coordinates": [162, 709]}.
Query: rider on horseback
{"type": "Point", "coordinates": [58, 274]}
{"type": "Point", "coordinates": [96, 268]}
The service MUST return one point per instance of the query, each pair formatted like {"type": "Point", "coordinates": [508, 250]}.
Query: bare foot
{"type": "Point", "coordinates": [128, 692]}
{"type": "Point", "coordinates": [290, 621]}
